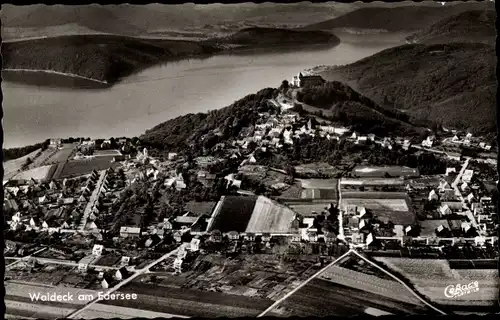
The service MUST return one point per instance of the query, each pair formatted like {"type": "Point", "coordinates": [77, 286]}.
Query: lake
{"type": "Point", "coordinates": [33, 113]}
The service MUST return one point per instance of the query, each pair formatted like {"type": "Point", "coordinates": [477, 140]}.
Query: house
{"type": "Point", "coordinates": [104, 284]}
{"type": "Point", "coordinates": [371, 137]}
{"type": "Point", "coordinates": [185, 220]}
{"type": "Point", "coordinates": [362, 139]}
{"type": "Point", "coordinates": [250, 236]}
{"type": "Point", "coordinates": [406, 144]}
{"type": "Point", "coordinates": [444, 210]}
{"type": "Point", "coordinates": [455, 138]}
{"type": "Point", "coordinates": [427, 143]}
{"type": "Point", "coordinates": [172, 156]}
{"type": "Point", "coordinates": [130, 232]}
{"type": "Point", "coordinates": [216, 236]}
{"type": "Point", "coordinates": [302, 80]}
{"type": "Point", "coordinates": [312, 236]}
{"type": "Point", "coordinates": [467, 176]}
{"type": "Point", "coordinates": [448, 195]}
{"type": "Point", "coordinates": [433, 196]}
{"type": "Point", "coordinates": [464, 186]}
{"type": "Point", "coordinates": [296, 237]}
{"type": "Point", "coordinates": [194, 245]}
{"type": "Point", "coordinates": [233, 235]}
{"type": "Point", "coordinates": [168, 223]}
{"type": "Point", "coordinates": [178, 236]}
{"type": "Point", "coordinates": [443, 185]}
{"type": "Point", "coordinates": [97, 249]}
{"type": "Point", "coordinates": [441, 229]}
{"type": "Point", "coordinates": [178, 264]}
{"type": "Point", "coordinates": [330, 237]}
{"type": "Point", "coordinates": [266, 237]}
{"type": "Point", "coordinates": [470, 197]}
{"type": "Point", "coordinates": [370, 239]}
{"type": "Point", "coordinates": [450, 170]}
{"type": "Point", "coordinates": [363, 224]}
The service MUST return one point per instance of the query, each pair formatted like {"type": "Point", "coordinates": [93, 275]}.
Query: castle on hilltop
{"type": "Point", "coordinates": [301, 80]}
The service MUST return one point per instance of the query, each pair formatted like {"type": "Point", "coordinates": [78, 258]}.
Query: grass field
{"type": "Point", "coordinates": [319, 194]}
{"type": "Point", "coordinates": [377, 204]}
{"type": "Point", "coordinates": [431, 277]}
{"type": "Point", "coordinates": [12, 166]}
{"type": "Point", "coordinates": [319, 183]}
{"type": "Point", "coordinates": [188, 302]}
{"type": "Point", "coordinates": [269, 216]}
{"type": "Point", "coordinates": [81, 167]}
{"type": "Point", "coordinates": [39, 174]}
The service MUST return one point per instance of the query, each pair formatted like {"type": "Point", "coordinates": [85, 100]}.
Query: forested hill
{"type": "Point", "coordinates": [274, 37]}
{"type": "Point", "coordinates": [357, 111]}
{"type": "Point", "coordinates": [195, 131]}
{"type": "Point", "coordinates": [453, 84]}
{"type": "Point", "coordinates": [405, 18]}
{"type": "Point", "coordinates": [468, 26]}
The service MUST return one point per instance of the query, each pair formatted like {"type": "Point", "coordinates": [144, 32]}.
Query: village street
{"type": "Point", "coordinates": [128, 280]}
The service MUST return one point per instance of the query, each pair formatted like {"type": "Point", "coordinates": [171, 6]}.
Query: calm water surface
{"type": "Point", "coordinates": [34, 113]}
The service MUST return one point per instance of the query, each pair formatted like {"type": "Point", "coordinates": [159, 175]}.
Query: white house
{"type": "Point", "coordinates": [467, 176]}
{"type": "Point", "coordinates": [427, 143]}
{"type": "Point", "coordinates": [97, 249]}
{"type": "Point", "coordinates": [450, 170]}
{"type": "Point", "coordinates": [118, 275]}
{"type": "Point", "coordinates": [470, 197]}
{"type": "Point", "coordinates": [126, 232]}
{"type": "Point", "coordinates": [433, 195]}
{"type": "Point", "coordinates": [104, 284]}
{"type": "Point", "coordinates": [370, 239]}
{"type": "Point", "coordinates": [172, 156]}
{"type": "Point", "coordinates": [195, 244]}
{"type": "Point", "coordinates": [444, 210]}
{"type": "Point", "coordinates": [464, 186]}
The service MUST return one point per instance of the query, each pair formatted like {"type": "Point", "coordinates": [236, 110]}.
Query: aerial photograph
{"type": "Point", "coordinates": [250, 160]}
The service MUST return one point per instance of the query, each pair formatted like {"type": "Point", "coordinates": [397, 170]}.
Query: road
{"type": "Point", "coordinates": [126, 281]}
{"type": "Point", "coordinates": [26, 258]}
{"type": "Point", "coordinates": [93, 200]}
{"type": "Point", "coordinates": [72, 75]}
{"type": "Point", "coordinates": [64, 263]}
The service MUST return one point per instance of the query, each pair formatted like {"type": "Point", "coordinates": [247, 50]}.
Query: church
{"type": "Point", "coordinates": [309, 80]}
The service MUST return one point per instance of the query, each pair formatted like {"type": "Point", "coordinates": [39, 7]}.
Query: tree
{"type": "Point", "coordinates": [285, 85]}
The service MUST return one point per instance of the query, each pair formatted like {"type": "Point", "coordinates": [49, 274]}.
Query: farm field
{"type": "Point", "coordinates": [324, 298]}
{"type": "Point", "coordinates": [189, 302]}
{"type": "Point", "coordinates": [308, 208]}
{"type": "Point", "coordinates": [39, 174]}
{"type": "Point", "coordinates": [319, 183]}
{"type": "Point", "coordinates": [319, 194]}
{"type": "Point", "coordinates": [380, 172]}
{"type": "Point", "coordinates": [373, 195]}
{"type": "Point", "coordinates": [234, 213]}
{"type": "Point", "coordinates": [35, 310]}
{"type": "Point", "coordinates": [101, 153]}
{"type": "Point", "coordinates": [371, 283]}
{"type": "Point", "coordinates": [22, 290]}
{"type": "Point", "coordinates": [431, 277]}
{"type": "Point", "coordinates": [377, 204]}
{"type": "Point", "coordinates": [269, 216]}
{"type": "Point", "coordinates": [81, 167]}
{"type": "Point", "coordinates": [106, 311]}
{"type": "Point", "coordinates": [40, 160]}
{"type": "Point", "coordinates": [372, 182]}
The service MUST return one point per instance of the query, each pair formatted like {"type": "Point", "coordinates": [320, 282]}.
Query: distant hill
{"type": "Point", "coordinates": [468, 26]}
{"type": "Point", "coordinates": [275, 37]}
{"type": "Point", "coordinates": [129, 19]}
{"type": "Point", "coordinates": [451, 84]}
{"type": "Point", "coordinates": [93, 17]}
{"type": "Point", "coordinates": [99, 57]}
{"type": "Point", "coordinates": [406, 18]}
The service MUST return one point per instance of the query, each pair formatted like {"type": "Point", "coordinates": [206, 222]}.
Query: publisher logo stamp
{"type": "Point", "coordinates": [454, 291]}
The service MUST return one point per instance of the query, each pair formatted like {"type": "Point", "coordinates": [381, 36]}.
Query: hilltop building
{"type": "Point", "coordinates": [307, 80]}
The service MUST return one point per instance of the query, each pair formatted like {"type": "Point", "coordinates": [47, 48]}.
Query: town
{"type": "Point", "coordinates": [92, 214]}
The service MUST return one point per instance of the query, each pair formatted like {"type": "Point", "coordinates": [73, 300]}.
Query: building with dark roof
{"type": "Point", "coordinates": [307, 80]}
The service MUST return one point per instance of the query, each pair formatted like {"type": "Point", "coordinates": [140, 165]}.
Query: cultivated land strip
{"type": "Point", "coordinates": [278, 302]}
